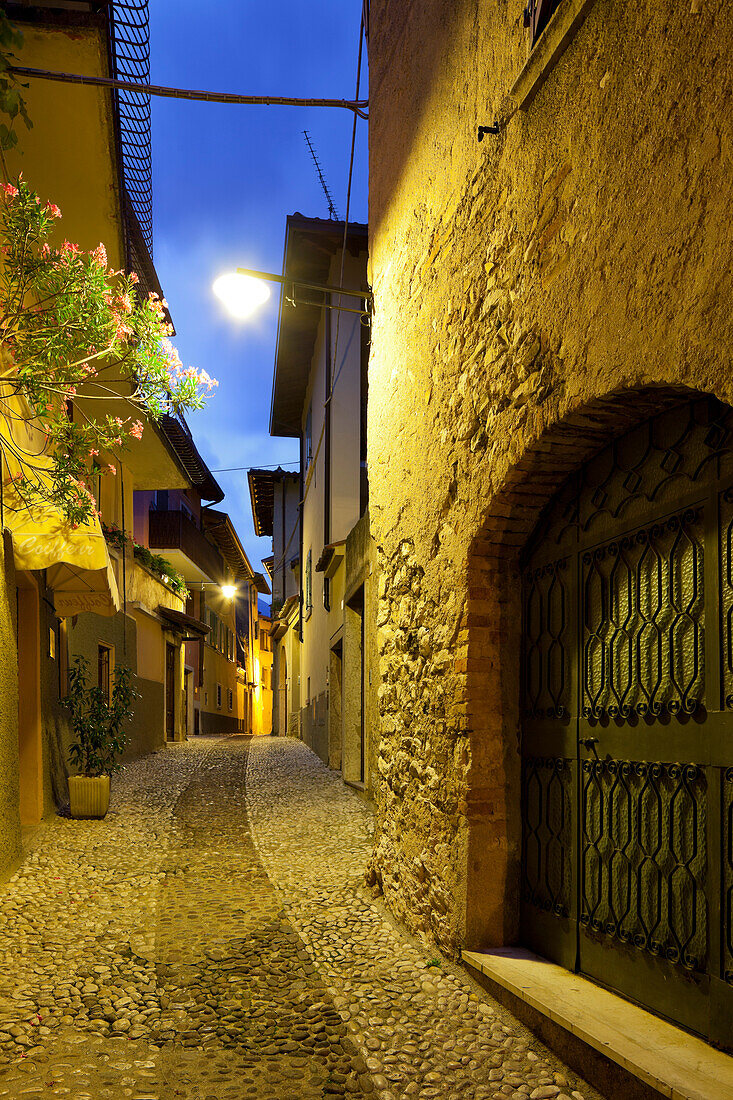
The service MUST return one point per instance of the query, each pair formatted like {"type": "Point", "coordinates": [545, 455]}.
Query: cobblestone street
{"type": "Point", "coordinates": [208, 941]}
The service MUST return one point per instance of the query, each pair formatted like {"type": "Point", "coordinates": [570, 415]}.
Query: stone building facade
{"type": "Point", "coordinates": [537, 294]}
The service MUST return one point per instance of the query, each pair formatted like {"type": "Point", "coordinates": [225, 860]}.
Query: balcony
{"type": "Point", "coordinates": [178, 538]}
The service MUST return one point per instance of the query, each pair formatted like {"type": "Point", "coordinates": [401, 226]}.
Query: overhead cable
{"type": "Point", "coordinates": [358, 106]}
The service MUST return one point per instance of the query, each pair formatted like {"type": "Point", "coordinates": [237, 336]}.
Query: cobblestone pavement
{"type": "Point", "coordinates": [174, 950]}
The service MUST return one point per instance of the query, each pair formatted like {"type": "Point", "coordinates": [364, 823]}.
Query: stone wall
{"type": "Point", "coordinates": [534, 294]}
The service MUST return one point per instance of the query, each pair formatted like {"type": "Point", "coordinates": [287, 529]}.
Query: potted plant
{"type": "Point", "coordinates": [100, 740]}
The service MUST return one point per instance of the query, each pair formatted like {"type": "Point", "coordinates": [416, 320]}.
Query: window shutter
{"type": "Point", "coordinates": [542, 11]}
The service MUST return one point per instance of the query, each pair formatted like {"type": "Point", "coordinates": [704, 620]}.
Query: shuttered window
{"type": "Point", "coordinates": [537, 15]}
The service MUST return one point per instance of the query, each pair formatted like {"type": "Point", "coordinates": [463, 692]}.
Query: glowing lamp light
{"type": "Point", "coordinates": [228, 590]}
{"type": "Point", "coordinates": [241, 294]}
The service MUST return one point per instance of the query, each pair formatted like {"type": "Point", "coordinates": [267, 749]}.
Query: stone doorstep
{"type": "Point", "coordinates": [663, 1057]}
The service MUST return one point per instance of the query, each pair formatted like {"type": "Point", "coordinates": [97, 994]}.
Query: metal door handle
{"type": "Point", "coordinates": [588, 742]}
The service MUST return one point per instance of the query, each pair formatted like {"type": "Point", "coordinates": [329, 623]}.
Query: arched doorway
{"type": "Point", "coordinates": [30, 759]}
{"type": "Point", "coordinates": [627, 719]}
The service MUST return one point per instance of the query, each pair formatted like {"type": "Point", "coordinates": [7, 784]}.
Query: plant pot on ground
{"type": "Point", "coordinates": [97, 722]}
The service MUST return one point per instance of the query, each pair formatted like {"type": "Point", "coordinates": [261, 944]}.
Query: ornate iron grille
{"type": "Point", "coordinates": [547, 683]}
{"type": "Point", "coordinates": [644, 857]}
{"type": "Point", "coordinates": [656, 463]}
{"type": "Point", "coordinates": [547, 795]}
{"type": "Point", "coordinates": [131, 57]}
{"type": "Point", "coordinates": [627, 738]}
{"type": "Point", "coordinates": [644, 635]}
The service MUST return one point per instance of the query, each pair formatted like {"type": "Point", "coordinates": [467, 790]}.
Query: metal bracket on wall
{"type": "Point", "coordinates": [482, 130]}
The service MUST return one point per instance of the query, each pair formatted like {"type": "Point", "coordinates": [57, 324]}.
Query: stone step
{"type": "Point", "coordinates": [604, 1037]}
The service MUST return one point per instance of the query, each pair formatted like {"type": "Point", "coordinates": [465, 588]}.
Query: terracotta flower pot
{"type": "Point", "coordinates": [89, 795]}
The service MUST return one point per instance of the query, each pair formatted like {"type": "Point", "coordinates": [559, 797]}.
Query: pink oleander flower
{"type": "Point", "coordinates": [125, 303]}
{"type": "Point", "coordinates": [52, 209]}
{"type": "Point", "coordinates": [136, 431]}
{"type": "Point", "coordinates": [72, 249]}
{"type": "Point", "coordinates": [45, 250]}
{"type": "Point", "coordinates": [10, 191]}
{"type": "Point", "coordinates": [206, 380]}
{"type": "Point", "coordinates": [93, 453]}
{"type": "Point", "coordinates": [133, 277]}
{"type": "Point", "coordinates": [100, 254]}
{"type": "Point", "coordinates": [122, 331]}
{"type": "Point", "coordinates": [112, 469]}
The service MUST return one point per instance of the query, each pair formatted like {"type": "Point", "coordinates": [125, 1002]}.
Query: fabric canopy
{"type": "Point", "coordinates": [79, 570]}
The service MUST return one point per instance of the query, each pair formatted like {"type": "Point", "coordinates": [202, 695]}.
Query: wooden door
{"type": "Point", "coordinates": [170, 692]}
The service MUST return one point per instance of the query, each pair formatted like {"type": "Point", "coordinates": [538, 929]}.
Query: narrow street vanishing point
{"type": "Point", "coordinates": [220, 911]}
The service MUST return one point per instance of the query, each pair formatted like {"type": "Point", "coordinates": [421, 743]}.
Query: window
{"type": "Point", "coordinates": [537, 15]}
{"type": "Point", "coordinates": [257, 629]}
{"type": "Point", "coordinates": [327, 593]}
{"type": "Point", "coordinates": [218, 696]}
{"type": "Point", "coordinates": [231, 701]}
{"type": "Point", "coordinates": [103, 669]}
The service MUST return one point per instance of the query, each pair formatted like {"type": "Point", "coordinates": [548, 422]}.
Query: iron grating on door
{"type": "Point", "coordinates": [627, 693]}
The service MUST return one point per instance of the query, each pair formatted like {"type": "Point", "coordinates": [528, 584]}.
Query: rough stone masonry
{"type": "Point", "coordinates": [533, 294]}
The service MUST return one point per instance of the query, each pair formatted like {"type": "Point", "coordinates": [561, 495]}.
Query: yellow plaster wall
{"type": "Point", "coordinates": [150, 662]}
{"type": "Point", "coordinates": [69, 156]}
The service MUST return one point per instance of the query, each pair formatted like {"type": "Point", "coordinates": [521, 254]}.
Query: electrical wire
{"type": "Point", "coordinates": [359, 107]}
{"type": "Point", "coordinates": [260, 466]}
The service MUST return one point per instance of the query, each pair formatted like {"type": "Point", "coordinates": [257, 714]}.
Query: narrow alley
{"type": "Point", "coordinates": [220, 909]}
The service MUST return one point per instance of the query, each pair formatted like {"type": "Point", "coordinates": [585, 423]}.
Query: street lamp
{"type": "Point", "coordinates": [240, 293]}
{"type": "Point", "coordinates": [244, 290]}
{"type": "Point", "coordinates": [228, 591]}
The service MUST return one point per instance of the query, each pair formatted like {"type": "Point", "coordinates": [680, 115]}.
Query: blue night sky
{"type": "Point", "coordinates": [224, 180]}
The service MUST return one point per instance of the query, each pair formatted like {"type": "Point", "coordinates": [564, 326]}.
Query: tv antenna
{"type": "Point", "coordinates": [332, 211]}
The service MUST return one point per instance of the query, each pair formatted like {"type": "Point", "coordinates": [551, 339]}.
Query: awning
{"type": "Point", "coordinates": [181, 622]}
{"type": "Point", "coordinates": [77, 561]}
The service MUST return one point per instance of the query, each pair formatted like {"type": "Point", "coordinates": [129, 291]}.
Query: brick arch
{"type": "Point", "coordinates": [493, 621]}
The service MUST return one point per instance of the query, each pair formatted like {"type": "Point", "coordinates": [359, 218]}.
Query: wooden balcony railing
{"type": "Point", "coordinates": [175, 531]}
